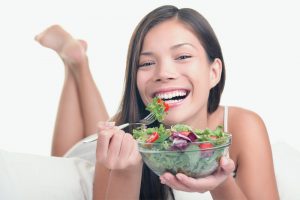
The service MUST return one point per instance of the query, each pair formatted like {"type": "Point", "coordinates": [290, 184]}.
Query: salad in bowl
{"type": "Point", "coordinates": [180, 148]}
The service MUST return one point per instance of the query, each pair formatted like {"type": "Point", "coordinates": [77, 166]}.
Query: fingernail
{"type": "Point", "coordinates": [179, 177]}
{"type": "Point", "coordinates": [110, 124]}
{"type": "Point", "coordinates": [106, 125]}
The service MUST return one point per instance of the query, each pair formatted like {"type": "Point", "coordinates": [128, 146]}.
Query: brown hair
{"type": "Point", "coordinates": [132, 108]}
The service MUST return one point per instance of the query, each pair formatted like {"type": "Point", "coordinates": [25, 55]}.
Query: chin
{"type": "Point", "coordinates": [173, 121]}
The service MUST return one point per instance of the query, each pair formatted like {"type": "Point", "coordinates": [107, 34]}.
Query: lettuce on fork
{"type": "Point", "coordinates": [159, 108]}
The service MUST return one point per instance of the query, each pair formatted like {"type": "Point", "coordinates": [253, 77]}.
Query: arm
{"type": "Point", "coordinates": [119, 165]}
{"type": "Point", "coordinates": [125, 184]}
{"type": "Point", "coordinates": [255, 178]}
{"type": "Point", "coordinates": [255, 175]}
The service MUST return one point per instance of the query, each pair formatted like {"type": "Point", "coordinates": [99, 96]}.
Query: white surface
{"type": "Point", "coordinates": [260, 41]}
{"type": "Point", "coordinates": [34, 177]}
{"type": "Point", "coordinates": [83, 150]}
{"type": "Point", "coordinates": [25, 176]}
{"type": "Point", "coordinates": [287, 165]}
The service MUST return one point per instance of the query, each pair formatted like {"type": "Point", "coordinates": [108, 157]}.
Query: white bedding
{"type": "Point", "coordinates": [33, 177]}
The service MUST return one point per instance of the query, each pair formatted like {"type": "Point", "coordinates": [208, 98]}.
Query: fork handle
{"type": "Point", "coordinates": [94, 136]}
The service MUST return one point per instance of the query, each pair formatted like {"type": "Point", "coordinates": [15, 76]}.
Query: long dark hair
{"type": "Point", "coordinates": [132, 108]}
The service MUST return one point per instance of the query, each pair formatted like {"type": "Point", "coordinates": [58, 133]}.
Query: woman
{"type": "Point", "coordinates": [172, 51]}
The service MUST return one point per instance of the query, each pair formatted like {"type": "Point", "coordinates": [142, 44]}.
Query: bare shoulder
{"type": "Point", "coordinates": [243, 119]}
{"type": "Point", "coordinates": [247, 128]}
{"type": "Point", "coordinates": [251, 150]}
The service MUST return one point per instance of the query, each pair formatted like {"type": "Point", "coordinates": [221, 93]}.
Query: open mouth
{"type": "Point", "coordinates": [172, 97]}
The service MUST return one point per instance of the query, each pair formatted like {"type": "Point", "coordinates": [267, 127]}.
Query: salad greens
{"type": "Point", "coordinates": [180, 148]}
{"type": "Point", "coordinates": [141, 134]}
{"type": "Point", "coordinates": [159, 108]}
{"type": "Point", "coordinates": [192, 162]}
{"type": "Point", "coordinates": [179, 135]}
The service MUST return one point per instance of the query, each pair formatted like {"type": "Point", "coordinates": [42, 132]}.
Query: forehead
{"type": "Point", "coordinates": [169, 33]}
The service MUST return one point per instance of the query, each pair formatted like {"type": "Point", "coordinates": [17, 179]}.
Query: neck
{"type": "Point", "coordinates": [199, 121]}
{"type": "Point", "coordinates": [206, 120]}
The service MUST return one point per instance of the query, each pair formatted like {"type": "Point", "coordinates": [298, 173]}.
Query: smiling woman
{"type": "Point", "coordinates": [181, 71]}
{"type": "Point", "coordinates": [174, 55]}
{"type": "Point", "coordinates": [185, 67]}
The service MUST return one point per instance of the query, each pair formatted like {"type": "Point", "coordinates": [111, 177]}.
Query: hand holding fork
{"type": "Point", "coordinates": [149, 119]}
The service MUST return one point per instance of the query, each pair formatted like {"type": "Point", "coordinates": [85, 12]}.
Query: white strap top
{"type": "Point", "coordinates": [225, 118]}
{"type": "Point", "coordinates": [225, 122]}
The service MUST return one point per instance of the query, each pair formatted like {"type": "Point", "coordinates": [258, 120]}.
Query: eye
{"type": "Point", "coordinates": [183, 57]}
{"type": "Point", "coordinates": [147, 64]}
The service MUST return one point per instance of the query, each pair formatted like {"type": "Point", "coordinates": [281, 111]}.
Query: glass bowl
{"type": "Point", "coordinates": [194, 160]}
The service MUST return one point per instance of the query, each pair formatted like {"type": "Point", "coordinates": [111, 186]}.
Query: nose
{"type": "Point", "coordinates": [165, 71]}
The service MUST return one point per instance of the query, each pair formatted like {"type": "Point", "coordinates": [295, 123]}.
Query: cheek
{"type": "Point", "coordinates": [141, 84]}
{"type": "Point", "coordinates": [201, 86]}
{"type": "Point", "coordinates": [205, 85]}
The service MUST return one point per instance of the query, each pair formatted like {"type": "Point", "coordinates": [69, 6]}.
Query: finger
{"type": "Point", "coordinates": [103, 141]}
{"type": "Point", "coordinates": [227, 165]}
{"type": "Point", "coordinates": [105, 125]}
{"type": "Point", "coordinates": [171, 180]}
{"type": "Point", "coordinates": [135, 156]}
{"type": "Point", "coordinates": [114, 148]}
{"type": "Point", "coordinates": [199, 184]}
{"type": "Point", "coordinates": [203, 184]}
{"type": "Point", "coordinates": [126, 148]}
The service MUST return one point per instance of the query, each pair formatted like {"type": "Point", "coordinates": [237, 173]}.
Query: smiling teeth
{"type": "Point", "coordinates": [172, 101]}
{"type": "Point", "coordinates": [169, 95]}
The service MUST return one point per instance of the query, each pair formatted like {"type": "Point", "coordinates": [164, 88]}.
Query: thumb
{"type": "Point", "coordinates": [227, 165]}
{"type": "Point", "coordinates": [105, 125]}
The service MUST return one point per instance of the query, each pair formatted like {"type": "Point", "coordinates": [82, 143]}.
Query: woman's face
{"type": "Point", "coordinates": [174, 67]}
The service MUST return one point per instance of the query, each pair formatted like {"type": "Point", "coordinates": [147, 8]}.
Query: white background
{"type": "Point", "coordinates": [260, 42]}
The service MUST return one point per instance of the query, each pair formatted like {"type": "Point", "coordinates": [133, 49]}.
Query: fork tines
{"type": "Point", "coordinates": [149, 119]}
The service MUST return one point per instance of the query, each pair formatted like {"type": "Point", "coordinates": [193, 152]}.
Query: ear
{"type": "Point", "coordinates": [215, 72]}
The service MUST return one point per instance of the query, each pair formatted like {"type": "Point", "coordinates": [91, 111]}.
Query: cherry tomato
{"type": "Point", "coordinates": [166, 106]}
{"type": "Point", "coordinates": [152, 138]}
{"type": "Point", "coordinates": [206, 145]}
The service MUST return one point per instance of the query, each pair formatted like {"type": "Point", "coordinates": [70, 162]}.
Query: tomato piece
{"type": "Point", "coordinates": [206, 145]}
{"type": "Point", "coordinates": [185, 133]}
{"type": "Point", "coordinates": [152, 138]}
{"type": "Point", "coordinates": [166, 106]}
{"type": "Point", "coordinates": [206, 153]}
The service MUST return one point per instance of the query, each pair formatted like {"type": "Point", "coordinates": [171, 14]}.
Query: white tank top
{"type": "Point", "coordinates": [225, 119]}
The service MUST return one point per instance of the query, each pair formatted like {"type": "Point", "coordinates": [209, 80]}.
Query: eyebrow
{"type": "Point", "coordinates": [147, 53]}
{"type": "Point", "coordinates": [182, 44]}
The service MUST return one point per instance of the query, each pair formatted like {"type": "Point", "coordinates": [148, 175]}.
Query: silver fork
{"type": "Point", "coordinates": [149, 119]}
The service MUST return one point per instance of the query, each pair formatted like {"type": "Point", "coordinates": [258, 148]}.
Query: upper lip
{"type": "Point", "coordinates": [162, 90]}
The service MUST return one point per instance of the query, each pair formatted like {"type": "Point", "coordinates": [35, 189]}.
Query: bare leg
{"type": "Point", "coordinates": [81, 105]}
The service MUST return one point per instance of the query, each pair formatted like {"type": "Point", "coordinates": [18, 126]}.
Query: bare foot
{"type": "Point", "coordinates": [72, 51]}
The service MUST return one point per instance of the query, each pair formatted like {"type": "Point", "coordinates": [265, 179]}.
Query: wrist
{"type": "Point", "coordinates": [132, 169]}
{"type": "Point", "coordinates": [228, 189]}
